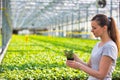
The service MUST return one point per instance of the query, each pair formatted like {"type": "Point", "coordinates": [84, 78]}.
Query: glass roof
{"type": "Point", "coordinates": [40, 14]}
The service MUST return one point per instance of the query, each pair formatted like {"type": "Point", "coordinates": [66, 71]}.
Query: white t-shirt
{"type": "Point", "coordinates": [108, 49]}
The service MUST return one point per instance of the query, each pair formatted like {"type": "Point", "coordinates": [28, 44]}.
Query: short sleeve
{"type": "Point", "coordinates": [110, 51]}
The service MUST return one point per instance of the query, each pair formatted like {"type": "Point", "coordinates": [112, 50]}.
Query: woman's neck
{"type": "Point", "coordinates": [105, 38]}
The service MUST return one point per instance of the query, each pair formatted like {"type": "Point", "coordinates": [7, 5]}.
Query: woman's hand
{"type": "Point", "coordinates": [73, 64]}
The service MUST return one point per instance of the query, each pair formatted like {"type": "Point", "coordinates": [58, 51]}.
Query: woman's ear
{"type": "Point", "coordinates": [105, 28]}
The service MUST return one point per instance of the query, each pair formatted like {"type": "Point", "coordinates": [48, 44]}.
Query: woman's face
{"type": "Point", "coordinates": [97, 30]}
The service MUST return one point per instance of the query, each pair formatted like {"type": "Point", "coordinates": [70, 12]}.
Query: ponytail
{"type": "Point", "coordinates": [114, 33]}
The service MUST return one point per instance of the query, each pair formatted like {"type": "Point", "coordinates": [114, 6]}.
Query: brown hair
{"type": "Point", "coordinates": [113, 32]}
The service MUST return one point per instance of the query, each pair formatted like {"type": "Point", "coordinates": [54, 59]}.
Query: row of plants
{"type": "Point", "coordinates": [42, 58]}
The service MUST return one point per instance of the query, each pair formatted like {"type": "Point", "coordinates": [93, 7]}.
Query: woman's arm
{"type": "Point", "coordinates": [104, 66]}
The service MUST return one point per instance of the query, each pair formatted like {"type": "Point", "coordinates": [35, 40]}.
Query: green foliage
{"type": "Point", "coordinates": [42, 58]}
{"type": "Point", "coordinates": [69, 54]}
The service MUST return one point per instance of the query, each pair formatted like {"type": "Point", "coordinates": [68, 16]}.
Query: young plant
{"type": "Point", "coordinates": [69, 54]}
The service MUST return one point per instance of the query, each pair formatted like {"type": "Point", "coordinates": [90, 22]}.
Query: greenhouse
{"type": "Point", "coordinates": [34, 35]}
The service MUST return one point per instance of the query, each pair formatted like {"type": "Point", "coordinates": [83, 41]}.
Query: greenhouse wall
{"type": "Point", "coordinates": [6, 29]}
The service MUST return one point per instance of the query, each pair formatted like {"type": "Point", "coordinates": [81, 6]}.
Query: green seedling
{"type": "Point", "coordinates": [69, 54]}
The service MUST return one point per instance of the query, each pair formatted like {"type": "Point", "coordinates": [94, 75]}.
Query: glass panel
{"type": "Point", "coordinates": [0, 23]}
{"type": "Point", "coordinates": [0, 28]}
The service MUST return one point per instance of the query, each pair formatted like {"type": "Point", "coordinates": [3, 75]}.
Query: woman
{"type": "Point", "coordinates": [104, 55]}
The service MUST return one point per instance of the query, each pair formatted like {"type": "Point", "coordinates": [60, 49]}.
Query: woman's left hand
{"type": "Point", "coordinates": [73, 64]}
